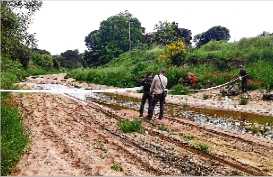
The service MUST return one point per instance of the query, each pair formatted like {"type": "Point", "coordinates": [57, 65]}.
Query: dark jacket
{"type": "Point", "coordinates": [146, 83]}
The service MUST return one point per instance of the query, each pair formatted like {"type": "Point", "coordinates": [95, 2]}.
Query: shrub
{"type": "Point", "coordinates": [116, 167]}
{"type": "Point", "coordinates": [179, 89]}
{"type": "Point", "coordinates": [174, 74]}
{"type": "Point", "coordinates": [44, 60]}
{"type": "Point", "coordinates": [263, 71]}
{"type": "Point", "coordinates": [202, 147]}
{"type": "Point", "coordinates": [175, 52]}
{"type": "Point", "coordinates": [127, 126]}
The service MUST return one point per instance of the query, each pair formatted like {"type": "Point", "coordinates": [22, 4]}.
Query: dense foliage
{"type": "Point", "coordinates": [213, 63]}
{"type": "Point", "coordinates": [112, 38]}
{"type": "Point", "coordinates": [216, 33]}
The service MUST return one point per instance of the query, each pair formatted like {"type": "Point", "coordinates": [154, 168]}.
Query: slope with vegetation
{"type": "Point", "coordinates": [214, 63]}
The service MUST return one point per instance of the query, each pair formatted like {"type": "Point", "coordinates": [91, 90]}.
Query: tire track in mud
{"type": "Point", "coordinates": [224, 160]}
{"type": "Point", "coordinates": [93, 130]}
{"type": "Point", "coordinates": [264, 148]}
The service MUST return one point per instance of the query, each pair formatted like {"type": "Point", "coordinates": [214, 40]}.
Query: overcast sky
{"type": "Point", "coordinates": [63, 25]}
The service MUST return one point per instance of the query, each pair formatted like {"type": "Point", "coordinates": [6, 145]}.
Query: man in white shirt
{"type": "Point", "coordinates": [157, 90]}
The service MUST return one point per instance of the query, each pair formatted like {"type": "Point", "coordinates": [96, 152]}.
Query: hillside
{"type": "Point", "coordinates": [214, 63]}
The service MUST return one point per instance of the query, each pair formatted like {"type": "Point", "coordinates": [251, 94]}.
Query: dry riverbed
{"type": "Point", "coordinates": [75, 137]}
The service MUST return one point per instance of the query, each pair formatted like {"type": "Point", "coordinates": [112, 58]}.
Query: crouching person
{"type": "Point", "coordinates": [158, 94]}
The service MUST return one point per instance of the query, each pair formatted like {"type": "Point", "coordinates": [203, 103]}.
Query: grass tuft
{"type": "Point", "coordinates": [130, 126]}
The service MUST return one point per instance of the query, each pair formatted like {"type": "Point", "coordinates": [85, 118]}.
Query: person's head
{"type": "Point", "coordinates": [241, 66]}
{"type": "Point", "coordinates": [163, 71]}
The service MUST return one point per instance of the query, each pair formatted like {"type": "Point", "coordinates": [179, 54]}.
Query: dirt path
{"type": "Point", "coordinates": [70, 137]}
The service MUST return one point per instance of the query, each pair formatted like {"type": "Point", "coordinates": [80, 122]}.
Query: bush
{"type": "Point", "coordinates": [263, 71]}
{"type": "Point", "coordinates": [179, 89]}
{"type": "Point", "coordinates": [202, 147]}
{"type": "Point", "coordinates": [116, 167]}
{"type": "Point", "coordinates": [43, 60]}
{"type": "Point", "coordinates": [127, 126]}
{"type": "Point", "coordinates": [175, 52]}
{"type": "Point", "coordinates": [174, 74]}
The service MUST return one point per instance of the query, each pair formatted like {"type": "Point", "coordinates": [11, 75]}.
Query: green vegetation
{"type": "Point", "coordinates": [213, 63]}
{"type": "Point", "coordinates": [187, 137]}
{"type": "Point", "coordinates": [13, 138]}
{"type": "Point", "coordinates": [116, 167]}
{"type": "Point", "coordinates": [201, 147]}
{"type": "Point", "coordinates": [127, 126]}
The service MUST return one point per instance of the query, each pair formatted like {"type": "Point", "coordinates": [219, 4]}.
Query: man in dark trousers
{"type": "Point", "coordinates": [146, 83]}
{"type": "Point", "coordinates": [243, 78]}
{"type": "Point", "coordinates": [157, 92]}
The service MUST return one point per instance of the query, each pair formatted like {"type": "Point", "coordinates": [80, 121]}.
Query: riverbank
{"type": "Point", "coordinates": [208, 99]}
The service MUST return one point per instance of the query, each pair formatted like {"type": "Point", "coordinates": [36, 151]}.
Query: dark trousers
{"type": "Point", "coordinates": [155, 99]}
{"type": "Point", "coordinates": [145, 96]}
{"type": "Point", "coordinates": [244, 85]}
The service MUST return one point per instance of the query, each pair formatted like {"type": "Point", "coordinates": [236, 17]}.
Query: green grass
{"type": "Point", "coordinates": [201, 147]}
{"type": "Point", "coordinates": [130, 126]}
{"type": "Point", "coordinates": [13, 138]}
{"type": "Point", "coordinates": [116, 167]}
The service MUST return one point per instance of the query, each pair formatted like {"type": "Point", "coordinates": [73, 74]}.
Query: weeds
{"type": "Point", "coordinates": [201, 147]}
{"type": "Point", "coordinates": [127, 126]}
{"type": "Point", "coordinates": [116, 167]}
{"type": "Point", "coordinates": [186, 137]}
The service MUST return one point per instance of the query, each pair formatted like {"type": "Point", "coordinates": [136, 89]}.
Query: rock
{"type": "Point", "coordinates": [268, 97]}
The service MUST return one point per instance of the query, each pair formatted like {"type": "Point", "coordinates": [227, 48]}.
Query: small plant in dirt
{"type": "Point", "coordinates": [116, 167]}
{"type": "Point", "coordinates": [163, 128]}
{"type": "Point", "coordinates": [202, 147]}
{"type": "Point", "coordinates": [243, 100]}
{"type": "Point", "coordinates": [186, 137]}
{"type": "Point", "coordinates": [130, 126]}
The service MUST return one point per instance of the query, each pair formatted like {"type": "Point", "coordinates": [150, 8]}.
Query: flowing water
{"type": "Point", "coordinates": [261, 126]}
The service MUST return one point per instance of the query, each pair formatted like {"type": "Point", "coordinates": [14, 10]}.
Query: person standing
{"type": "Point", "coordinates": [146, 83]}
{"type": "Point", "coordinates": [157, 92]}
{"type": "Point", "coordinates": [243, 78]}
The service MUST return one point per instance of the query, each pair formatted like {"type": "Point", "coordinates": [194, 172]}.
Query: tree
{"type": "Point", "coordinates": [70, 59]}
{"type": "Point", "coordinates": [112, 38]}
{"type": "Point", "coordinates": [15, 20]}
{"type": "Point", "coordinates": [167, 33]}
{"type": "Point", "coordinates": [216, 33]}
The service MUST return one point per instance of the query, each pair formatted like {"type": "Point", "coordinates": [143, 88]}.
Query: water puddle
{"type": "Point", "coordinates": [260, 126]}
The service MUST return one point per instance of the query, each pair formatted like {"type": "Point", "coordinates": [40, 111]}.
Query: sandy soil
{"type": "Point", "coordinates": [70, 137]}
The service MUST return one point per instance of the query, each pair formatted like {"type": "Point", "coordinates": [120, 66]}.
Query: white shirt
{"type": "Point", "coordinates": [156, 87]}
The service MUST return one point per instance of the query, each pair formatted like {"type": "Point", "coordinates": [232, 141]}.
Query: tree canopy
{"type": "Point", "coordinates": [112, 38]}
{"type": "Point", "coordinates": [216, 33]}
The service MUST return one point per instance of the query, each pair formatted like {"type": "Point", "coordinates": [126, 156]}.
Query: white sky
{"type": "Point", "coordinates": [63, 25]}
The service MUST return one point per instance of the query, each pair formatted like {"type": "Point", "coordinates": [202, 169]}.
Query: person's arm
{"type": "Point", "coordinates": [152, 85]}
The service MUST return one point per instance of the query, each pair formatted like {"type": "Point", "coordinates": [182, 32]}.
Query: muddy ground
{"type": "Point", "coordinates": [74, 137]}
